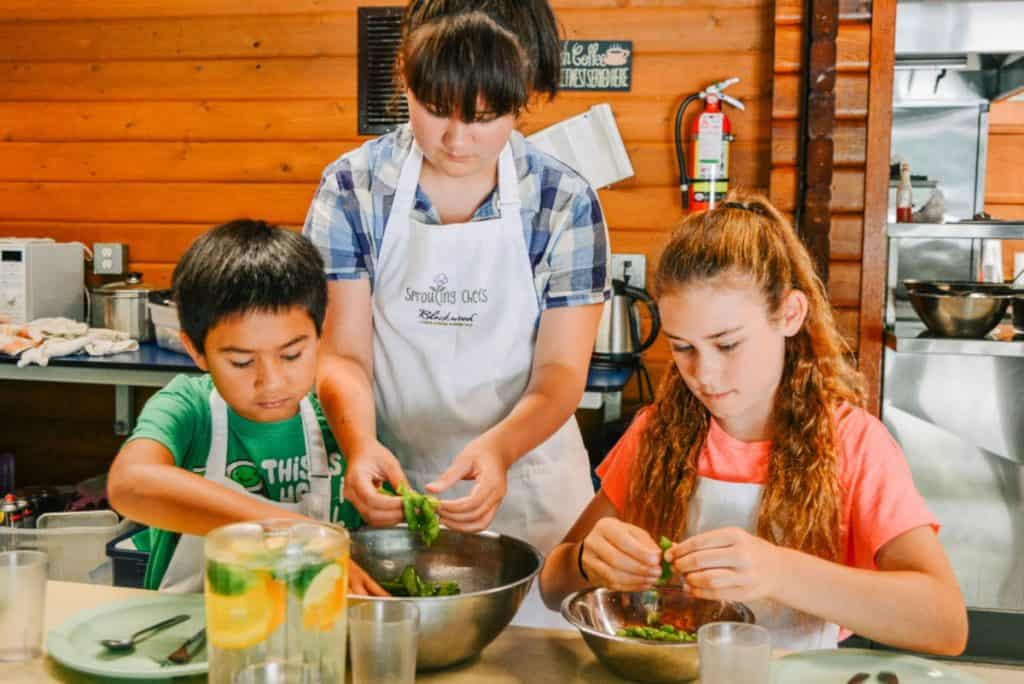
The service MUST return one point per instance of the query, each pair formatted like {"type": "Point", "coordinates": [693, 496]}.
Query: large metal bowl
{"type": "Point", "coordinates": [599, 613]}
{"type": "Point", "coordinates": [494, 573]}
{"type": "Point", "coordinates": [959, 309]}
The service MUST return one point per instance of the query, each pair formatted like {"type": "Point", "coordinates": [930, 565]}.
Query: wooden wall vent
{"type": "Point", "coordinates": [381, 105]}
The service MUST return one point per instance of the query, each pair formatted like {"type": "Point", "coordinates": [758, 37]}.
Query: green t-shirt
{"type": "Point", "coordinates": [268, 459]}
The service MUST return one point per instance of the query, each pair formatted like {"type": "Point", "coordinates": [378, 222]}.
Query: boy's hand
{"type": "Point", "coordinates": [482, 462]}
{"type": "Point", "coordinates": [621, 556]}
{"type": "Point", "coordinates": [728, 564]}
{"type": "Point", "coordinates": [368, 469]}
{"type": "Point", "coordinates": [359, 582]}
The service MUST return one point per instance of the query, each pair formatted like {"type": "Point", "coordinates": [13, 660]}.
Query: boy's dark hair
{"type": "Point", "coordinates": [245, 266]}
{"type": "Point", "coordinates": [454, 51]}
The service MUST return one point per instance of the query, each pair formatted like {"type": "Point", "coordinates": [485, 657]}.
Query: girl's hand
{"type": "Point", "coordinates": [359, 582]}
{"type": "Point", "coordinates": [621, 556]}
{"type": "Point", "coordinates": [729, 564]}
{"type": "Point", "coordinates": [368, 469]}
{"type": "Point", "coordinates": [480, 461]}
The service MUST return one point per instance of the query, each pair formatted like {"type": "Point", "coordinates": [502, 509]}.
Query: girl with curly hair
{"type": "Point", "coordinates": [759, 462]}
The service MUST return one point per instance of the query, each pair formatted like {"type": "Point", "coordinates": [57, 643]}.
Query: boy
{"type": "Point", "coordinates": [246, 441]}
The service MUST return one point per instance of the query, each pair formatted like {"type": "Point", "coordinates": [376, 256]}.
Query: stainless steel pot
{"type": "Point", "coordinates": [122, 306]}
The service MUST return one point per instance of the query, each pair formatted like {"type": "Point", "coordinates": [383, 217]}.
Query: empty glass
{"type": "Point", "coordinates": [384, 637]}
{"type": "Point", "coordinates": [278, 673]}
{"type": "Point", "coordinates": [22, 600]}
{"type": "Point", "coordinates": [734, 653]}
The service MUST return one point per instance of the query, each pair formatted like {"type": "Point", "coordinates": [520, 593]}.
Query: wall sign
{"type": "Point", "coordinates": [597, 65]}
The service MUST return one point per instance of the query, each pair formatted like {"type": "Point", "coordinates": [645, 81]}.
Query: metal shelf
{"type": "Point", "coordinates": [1004, 230]}
{"type": "Point", "coordinates": [914, 338]}
{"type": "Point", "coordinates": [895, 183]}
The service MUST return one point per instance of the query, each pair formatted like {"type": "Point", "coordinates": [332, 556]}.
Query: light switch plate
{"type": "Point", "coordinates": [636, 265]}
{"type": "Point", "coordinates": [109, 258]}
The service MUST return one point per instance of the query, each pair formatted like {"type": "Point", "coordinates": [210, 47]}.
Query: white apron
{"type": "Point", "coordinates": [717, 504]}
{"type": "Point", "coordinates": [185, 571]}
{"type": "Point", "coordinates": [455, 316]}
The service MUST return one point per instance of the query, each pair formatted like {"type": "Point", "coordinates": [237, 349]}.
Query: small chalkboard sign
{"type": "Point", "coordinates": [597, 65]}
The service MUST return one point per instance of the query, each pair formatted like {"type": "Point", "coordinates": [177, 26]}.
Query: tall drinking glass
{"type": "Point", "coordinates": [734, 653]}
{"type": "Point", "coordinates": [384, 638]}
{"type": "Point", "coordinates": [276, 598]}
{"type": "Point", "coordinates": [22, 602]}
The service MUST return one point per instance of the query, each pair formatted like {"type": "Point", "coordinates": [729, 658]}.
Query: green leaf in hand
{"type": "Point", "coordinates": [666, 568]}
{"type": "Point", "coordinates": [420, 513]}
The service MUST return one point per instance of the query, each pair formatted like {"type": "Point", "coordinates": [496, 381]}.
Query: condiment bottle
{"type": "Point", "coordinates": [904, 196]}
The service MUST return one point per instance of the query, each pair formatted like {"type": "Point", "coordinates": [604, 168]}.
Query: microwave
{"type": "Point", "coordinates": [40, 278]}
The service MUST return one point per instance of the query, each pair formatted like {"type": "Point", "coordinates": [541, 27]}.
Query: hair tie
{"type": "Point", "coordinates": [753, 208]}
{"type": "Point", "coordinates": [579, 563]}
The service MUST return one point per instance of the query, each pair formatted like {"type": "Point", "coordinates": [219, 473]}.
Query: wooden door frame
{"type": "Point", "coordinates": [876, 198]}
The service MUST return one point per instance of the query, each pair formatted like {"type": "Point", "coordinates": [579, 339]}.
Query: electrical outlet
{"type": "Point", "coordinates": [109, 258]}
{"type": "Point", "coordinates": [633, 264]}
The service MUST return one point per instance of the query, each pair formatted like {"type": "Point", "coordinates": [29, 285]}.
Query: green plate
{"type": "Point", "coordinates": [839, 665]}
{"type": "Point", "coordinates": [76, 643]}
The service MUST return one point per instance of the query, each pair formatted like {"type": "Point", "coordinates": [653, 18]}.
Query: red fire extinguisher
{"type": "Point", "coordinates": [705, 180]}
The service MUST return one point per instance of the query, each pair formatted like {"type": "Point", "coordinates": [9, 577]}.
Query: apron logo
{"type": "Point", "coordinates": [246, 474]}
{"type": "Point", "coordinates": [439, 294]}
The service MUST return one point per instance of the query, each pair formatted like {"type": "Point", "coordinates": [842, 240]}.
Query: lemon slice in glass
{"type": "Point", "coordinates": [324, 599]}
{"type": "Point", "coordinates": [246, 618]}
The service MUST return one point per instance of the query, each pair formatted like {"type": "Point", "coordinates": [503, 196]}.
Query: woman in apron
{"type": "Point", "coordinates": [758, 461]}
{"type": "Point", "coordinates": [467, 272]}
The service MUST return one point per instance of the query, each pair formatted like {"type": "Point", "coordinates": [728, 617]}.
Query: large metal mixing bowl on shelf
{"type": "Point", "coordinates": [959, 308]}
{"type": "Point", "coordinates": [599, 613]}
{"type": "Point", "coordinates": [494, 573]}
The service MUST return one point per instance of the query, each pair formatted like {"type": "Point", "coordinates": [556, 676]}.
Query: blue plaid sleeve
{"type": "Point", "coordinates": [337, 223]}
{"type": "Point", "coordinates": [578, 258]}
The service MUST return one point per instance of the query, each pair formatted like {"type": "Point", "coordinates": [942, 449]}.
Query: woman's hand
{"type": "Point", "coordinates": [359, 582]}
{"type": "Point", "coordinates": [368, 469]}
{"type": "Point", "coordinates": [483, 462]}
{"type": "Point", "coordinates": [621, 556]}
{"type": "Point", "coordinates": [729, 564]}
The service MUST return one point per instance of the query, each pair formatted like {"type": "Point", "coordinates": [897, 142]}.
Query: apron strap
{"type": "Point", "coordinates": [217, 460]}
{"type": "Point", "coordinates": [408, 181]}
{"type": "Point", "coordinates": [318, 501]}
{"type": "Point", "coordinates": [508, 185]}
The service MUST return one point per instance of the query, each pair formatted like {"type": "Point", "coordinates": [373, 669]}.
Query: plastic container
{"type": "Point", "coordinates": [76, 553]}
{"type": "Point", "coordinates": [166, 326]}
{"type": "Point", "coordinates": [129, 562]}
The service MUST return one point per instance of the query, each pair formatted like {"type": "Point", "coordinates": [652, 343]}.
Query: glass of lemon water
{"type": "Point", "coordinates": [276, 599]}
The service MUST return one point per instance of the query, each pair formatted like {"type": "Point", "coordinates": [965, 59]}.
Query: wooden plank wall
{"type": "Point", "coordinates": [1004, 183]}
{"type": "Point", "coordinates": [146, 122]}
{"type": "Point", "coordinates": [850, 136]}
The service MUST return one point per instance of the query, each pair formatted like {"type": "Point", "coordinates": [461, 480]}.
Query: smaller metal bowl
{"type": "Point", "coordinates": [1017, 312]}
{"type": "Point", "coordinates": [959, 308]}
{"type": "Point", "coordinates": [599, 613]}
{"type": "Point", "coordinates": [956, 287]}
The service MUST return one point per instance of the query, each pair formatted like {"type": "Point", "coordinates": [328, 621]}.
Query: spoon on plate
{"type": "Point", "coordinates": [123, 645]}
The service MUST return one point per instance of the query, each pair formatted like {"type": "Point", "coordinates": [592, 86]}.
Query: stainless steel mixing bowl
{"type": "Point", "coordinates": [960, 315]}
{"type": "Point", "coordinates": [599, 613]}
{"type": "Point", "coordinates": [494, 573]}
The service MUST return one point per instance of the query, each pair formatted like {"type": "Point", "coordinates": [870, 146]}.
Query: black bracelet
{"type": "Point", "coordinates": [579, 562]}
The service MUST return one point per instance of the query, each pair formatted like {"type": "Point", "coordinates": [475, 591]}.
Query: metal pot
{"type": "Point", "coordinates": [122, 306]}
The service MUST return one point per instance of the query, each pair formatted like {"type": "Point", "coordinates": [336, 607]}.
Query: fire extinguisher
{"type": "Point", "coordinates": [705, 181]}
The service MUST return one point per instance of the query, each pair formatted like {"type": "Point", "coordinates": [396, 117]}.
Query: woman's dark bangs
{"type": "Point", "coordinates": [448, 70]}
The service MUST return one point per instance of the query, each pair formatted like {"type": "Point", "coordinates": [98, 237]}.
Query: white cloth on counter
{"type": "Point", "coordinates": [44, 338]}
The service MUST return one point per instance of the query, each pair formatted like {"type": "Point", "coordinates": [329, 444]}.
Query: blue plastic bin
{"type": "Point", "coordinates": [129, 564]}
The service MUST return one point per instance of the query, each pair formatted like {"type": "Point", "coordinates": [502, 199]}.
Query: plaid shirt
{"type": "Point", "coordinates": [563, 225]}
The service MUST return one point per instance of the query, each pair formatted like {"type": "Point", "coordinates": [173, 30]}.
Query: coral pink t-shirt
{"type": "Point", "coordinates": [880, 501]}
